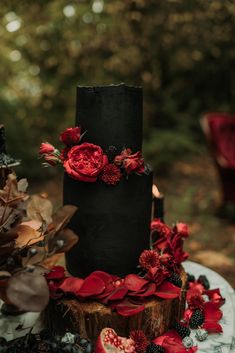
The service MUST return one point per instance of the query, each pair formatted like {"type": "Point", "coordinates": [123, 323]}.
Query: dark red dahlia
{"type": "Point", "coordinates": [111, 174]}
{"type": "Point", "coordinates": [140, 340]}
{"type": "Point", "coordinates": [148, 259]}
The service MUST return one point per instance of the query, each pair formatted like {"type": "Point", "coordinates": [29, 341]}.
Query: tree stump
{"type": "Point", "coordinates": [90, 317]}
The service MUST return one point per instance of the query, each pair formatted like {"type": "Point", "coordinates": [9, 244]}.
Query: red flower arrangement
{"type": "Point", "coordinates": [88, 162]}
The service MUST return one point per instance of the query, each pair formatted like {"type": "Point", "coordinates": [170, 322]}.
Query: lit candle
{"type": "Point", "coordinates": [158, 204]}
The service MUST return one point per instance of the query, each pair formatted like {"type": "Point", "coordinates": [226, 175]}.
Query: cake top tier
{"type": "Point", "coordinates": [111, 115]}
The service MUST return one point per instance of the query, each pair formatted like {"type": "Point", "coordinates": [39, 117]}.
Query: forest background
{"type": "Point", "coordinates": [183, 55]}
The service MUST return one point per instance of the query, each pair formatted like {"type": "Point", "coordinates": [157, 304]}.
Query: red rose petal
{"type": "Point", "coordinates": [118, 293]}
{"type": "Point", "coordinates": [167, 290]}
{"type": "Point", "coordinates": [147, 291]}
{"type": "Point", "coordinates": [106, 277]}
{"type": "Point", "coordinates": [215, 296]}
{"type": "Point", "coordinates": [71, 285]}
{"type": "Point", "coordinates": [92, 286]}
{"type": "Point", "coordinates": [127, 308]}
{"type": "Point", "coordinates": [56, 273]}
{"type": "Point", "coordinates": [212, 327]}
{"type": "Point", "coordinates": [212, 312]}
{"type": "Point", "coordinates": [134, 283]}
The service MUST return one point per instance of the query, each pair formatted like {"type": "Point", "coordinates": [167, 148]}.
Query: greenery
{"type": "Point", "coordinates": [181, 52]}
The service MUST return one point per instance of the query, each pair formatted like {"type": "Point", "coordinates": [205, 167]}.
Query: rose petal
{"type": "Point", "coordinates": [92, 285]}
{"type": "Point", "coordinates": [71, 285]}
{"type": "Point", "coordinates": [118, 293]}
{"type": "Point", "coordinates": [212, 312]}
{"type": "Point", "coordinates": [56, 273]}
{"type": "Point", "coordinates": [127, 308]}
{"type": "Point", "coordinates": [134, 282]}
{"type": "Point", "coordinates": [147, 291]}
{"type": "Point", "coordinates": [213, 327]}
{"type": "Point", "coordinates": [167, 290]}
{"type": "Point", "coordinates": [215, 296]}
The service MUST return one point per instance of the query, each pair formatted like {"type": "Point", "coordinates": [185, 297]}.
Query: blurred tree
{"type": "Point", "coordinates": [182, 53]}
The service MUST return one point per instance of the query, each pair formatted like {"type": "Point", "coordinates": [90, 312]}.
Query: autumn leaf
{"type": "Point", "coordinates": [63, 241]}
{"type": "Point", "coordinates": [27, 235]}
{"type": "Point", "coordinates": [13, 192]}
{"type": "Point", "coordinates": [28, 291]}
{"type": "Point", "coordinates": [39, 208]}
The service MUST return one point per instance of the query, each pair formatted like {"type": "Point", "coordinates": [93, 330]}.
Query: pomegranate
{"type": "Point", "coordinates": [109, 342]}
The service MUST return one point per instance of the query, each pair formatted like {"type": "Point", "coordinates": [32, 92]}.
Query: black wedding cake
{"type": "Point", "coordinates": [112, 222]}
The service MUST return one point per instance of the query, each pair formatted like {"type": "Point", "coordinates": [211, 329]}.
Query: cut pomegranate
{"type": "Point", "coordinates": [109, 342]}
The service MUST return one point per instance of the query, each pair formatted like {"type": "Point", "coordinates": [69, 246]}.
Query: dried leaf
{"type": "Point", "coordinates": [27, 235]}
{"type": "Point", "coordinates": [10, 217]}
{"type": "Point", "coordinates": [28, 291]}
{"type": "Point", "coordinates": [67, 237]}
{"type": "Point", "coordinates": [39, 208]}
{"type": "Point", "coordinates": [10, 194]}
{"type": "Point", "coordinates": [22, 185]}
{"type": "Point", "coordinates": [8, 237]}
{"type": "Point", "coordinates": [4, 275]}
{"type": "Point", "coordinates": [5, 252]}
{"type": "Point", "coordinates": [62, 217]}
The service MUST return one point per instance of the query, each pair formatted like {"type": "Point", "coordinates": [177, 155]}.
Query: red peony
{"type": "Point", "coordinates": [148, 259]}
{"type": "Point", "coordinates": [85, 162]}
{"type": "Point", "coordinates": [130, 162]}
{"type": "Point", "coordinates": [46, 148]}
{"type": "Point", "coordinates": [111, 174]}
{"type": "Point", "coordinates": [71, 136]}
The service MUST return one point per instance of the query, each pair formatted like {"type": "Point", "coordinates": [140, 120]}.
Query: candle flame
{"type": "Point", "coordinates": [155, 191]}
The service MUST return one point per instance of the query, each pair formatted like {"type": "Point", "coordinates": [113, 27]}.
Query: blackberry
{"type": "Point", "coordinates": [175, 279]}
{"type": "Point", "coordinates": [197, 319]}
{"type": "Point", "coordinates": [154, 348]}
{"type": "Point", "coordinates": [182, 330]}
{"type": "Point", "coordinates": [190, 277]}
{"type": "Point", "coordinates": [204, 281]}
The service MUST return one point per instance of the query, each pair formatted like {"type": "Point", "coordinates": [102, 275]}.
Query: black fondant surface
{"type": "Point", "coordinates": [111, 115]}
{"type": "Point", "coordinates": [112, 223]}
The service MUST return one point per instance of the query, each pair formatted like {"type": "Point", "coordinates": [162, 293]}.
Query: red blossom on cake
{"type": "Point", "coordinates": [140, 340]}
{"type": "Point", "coordinates": [132, 163]}
{"type": "Point", "coordinates": [170, 240]}
{"type": "Point", "coordinates": [85, 162]}
{"type": "Point", "coordinates": [111, 174]}
{"type": "Point", "coordinates": [148, 259]}
{"type": "Point", "coordinates": [71, 136]}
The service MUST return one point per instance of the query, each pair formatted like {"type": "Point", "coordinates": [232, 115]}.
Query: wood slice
{"type": "Point", "coordinates": [89, 318]}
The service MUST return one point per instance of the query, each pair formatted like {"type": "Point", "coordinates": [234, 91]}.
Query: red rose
{"type": "Point", "coordinates": [130, 162]}
{"type": "Point", "coordinates": [46, 148]}
{"type": "Point", "coordinates": [85, 162]}
{"type": "Point", "coordinates": [71, 136]}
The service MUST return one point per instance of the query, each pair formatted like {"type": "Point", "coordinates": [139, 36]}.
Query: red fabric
{"type": "Point", "coordinates": [219, 129]}
{"type": "Point", "coordinates": [222, 134]}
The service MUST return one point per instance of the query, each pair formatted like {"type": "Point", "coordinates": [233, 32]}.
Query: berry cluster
{"type": "Point", "coordinates": [154, 348]}
{"type": "Point", "coordinates": [45, 342]}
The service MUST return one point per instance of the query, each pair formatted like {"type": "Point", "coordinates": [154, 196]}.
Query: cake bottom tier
{"type": "Point", "coordinates": [90, 317]}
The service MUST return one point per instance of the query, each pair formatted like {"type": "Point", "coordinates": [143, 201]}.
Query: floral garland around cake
{"type": "Point", "coordinates": [159, 277]}
{"type": "Point", "coordinates": [88, 162]}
